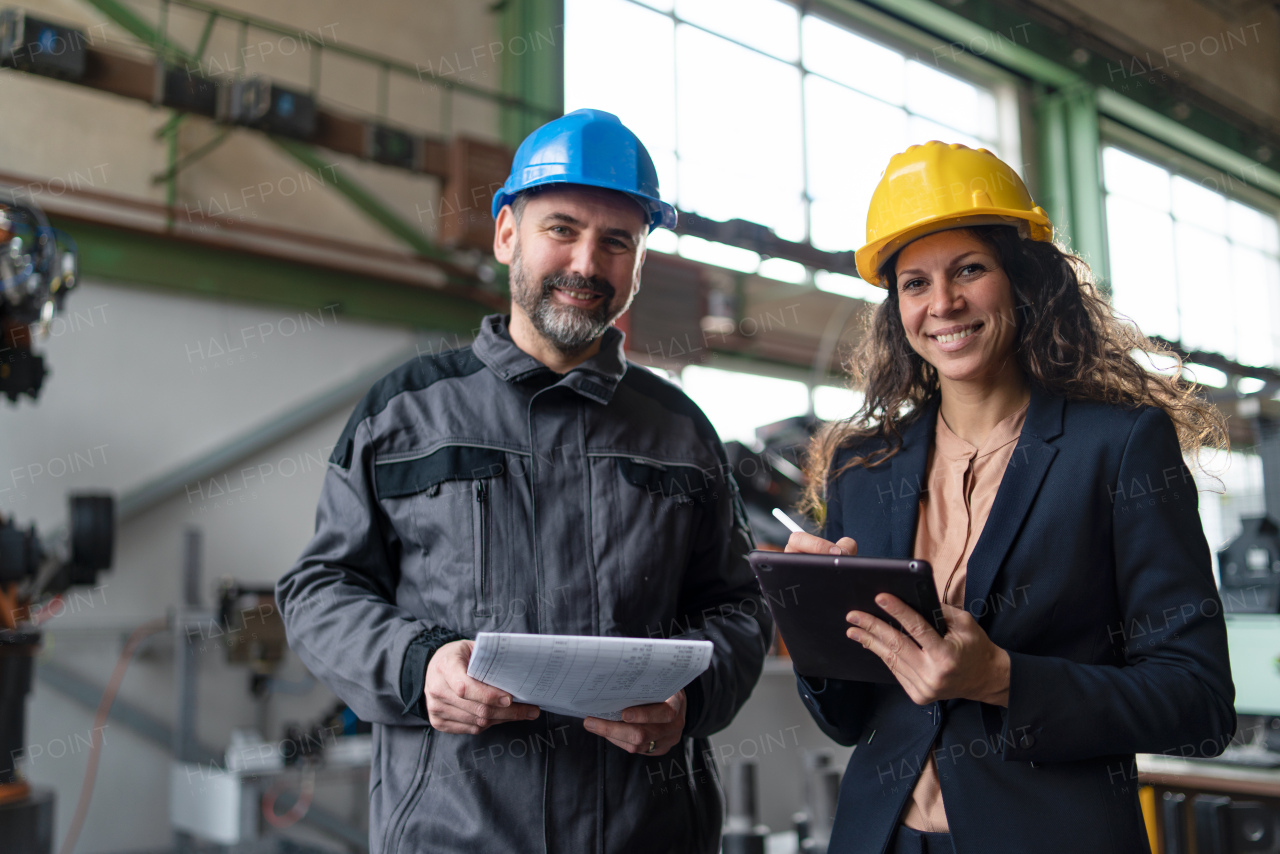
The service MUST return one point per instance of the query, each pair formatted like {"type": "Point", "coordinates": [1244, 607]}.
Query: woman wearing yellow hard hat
{"type": "Point", "coordinates": [1009, 437]}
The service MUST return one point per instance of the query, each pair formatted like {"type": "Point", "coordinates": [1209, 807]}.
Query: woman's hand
{"type": "Point", "coordinates": [963, 664]}
{"type": "Point", "coordinates": [809, 544]}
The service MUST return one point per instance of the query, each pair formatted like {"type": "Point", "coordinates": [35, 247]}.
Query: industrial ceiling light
{"type": "Point", "coordinates": [41, 47]}
{"type": "Point", "coordinates": [257, 102]}
{"type": "Point", "coordinates": [180, 89]}
{"type": "Point", "coordinates": [393, 147]}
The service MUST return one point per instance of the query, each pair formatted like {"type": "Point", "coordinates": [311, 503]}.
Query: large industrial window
{"type": "Point", "coordinates": [755, 111]}
{"type": "Point", "coordinates": [1191, 264]}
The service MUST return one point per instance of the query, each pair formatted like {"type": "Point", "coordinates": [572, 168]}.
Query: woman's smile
{"type": "Point", "coordinates": [955, 338]}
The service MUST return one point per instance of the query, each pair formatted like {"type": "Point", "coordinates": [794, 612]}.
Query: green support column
{"type": "Point", "coordinates": [533, 64]}
{"type": "Point", "coordinates": [1054, 192]}
{"type": "Point", "coordinates": [1071, 173]}
{"type": "Point", "coordinates": [1088, 214]}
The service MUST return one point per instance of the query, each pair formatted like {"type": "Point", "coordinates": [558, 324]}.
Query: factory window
{"type": "Point", "coordinates": [1191, 264]}
{"type": "Point", "coordinates": [755, 111]}
{"type": "Point", "coordinates": [1230, 487]}
{"type": "Point", "coordinates": [737, 403]}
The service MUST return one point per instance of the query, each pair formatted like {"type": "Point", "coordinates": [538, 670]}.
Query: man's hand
{"type": "Point", "coordinates": [962, 664]}
{"type": "Point", "coordinates": [461, 705]}
{"type": "Point", "coordinates": [659, 723]}
{"type": "Point", "coordinates": [809, 544]}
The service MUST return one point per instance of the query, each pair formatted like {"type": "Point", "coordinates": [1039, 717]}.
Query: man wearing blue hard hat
{"type": "Point", "coordinates": [534, 482]}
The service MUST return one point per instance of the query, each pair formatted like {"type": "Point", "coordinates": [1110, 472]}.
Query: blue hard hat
{"type": "Point", "coordinates": [589, 147]}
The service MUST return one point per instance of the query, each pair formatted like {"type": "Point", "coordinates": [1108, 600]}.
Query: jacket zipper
{"type": "Point", "coordinates": [482, 547]}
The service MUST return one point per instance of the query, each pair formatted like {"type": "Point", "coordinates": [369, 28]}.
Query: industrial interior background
{"type": "Point", "coordinates": [241, 287]}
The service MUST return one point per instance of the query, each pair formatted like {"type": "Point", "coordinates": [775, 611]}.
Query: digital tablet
{"type": "Point", "coordinates": [809, 596]}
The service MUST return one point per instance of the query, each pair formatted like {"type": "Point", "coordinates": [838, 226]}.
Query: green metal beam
{"type": "Point", "coordinates": [366, 201]}
{"type": "Point", "coordinates": [1056, 54]}
{"type": "Point", "coordinates": [1008, 47]}
{"type": "Point", "coordinates": [535, 76]}
{"type": "Point", "coordinates": [177, 164]}
{"type": "Point", "coordinates": [138, 258]}
{"type": "Point", "coordinates": [1169, 131]}
{"type": "Point", "coordinates": [138, 27]}
{"type": "Point", "coordinates": [205, 34]}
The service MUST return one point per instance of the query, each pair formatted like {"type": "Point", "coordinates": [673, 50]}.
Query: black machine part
{"type": "Point", "coordinates": [17, 656]}
{"type": "Point", "coordinates": [1173, 823]}
{"type": "Point", "coordinates": [20, 552]}
{"type": "Point", "coordinates": [1224, 826]}
{"type": "Point", "coordinates": [1249, 568]}
{"type": "Point", "coordinates": [24, 375]}
{"type": "Point", "coordinates": [26, 826]}
{"type": "Point", "coordinates": [36, 274]}
{"type": "Point", "coordinates": [821, 795]}
{"type": "Point", "coordinates": [93, 526]}
{"type": "Point", "coordinates": [91, 543]}
{"type": "Point", "coordinates": [741, 833]}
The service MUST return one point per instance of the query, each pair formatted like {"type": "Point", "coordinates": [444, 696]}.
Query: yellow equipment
{"type": "Point", "coordinates": [936, 186]}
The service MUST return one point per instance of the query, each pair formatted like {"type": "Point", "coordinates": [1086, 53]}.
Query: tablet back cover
{"type": "Point", "coordinates": [809, 596]}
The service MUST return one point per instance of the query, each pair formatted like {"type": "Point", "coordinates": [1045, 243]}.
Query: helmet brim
{"type": "Point", "coordinates": [870, 258]}
{"type": "Point", "coordinates": [660, 213]}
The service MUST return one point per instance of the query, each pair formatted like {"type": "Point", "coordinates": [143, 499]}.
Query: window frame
{"type": "Point", "coordinates": [1178, 164]}
{"type": "Point", "coordinates": [1013, 116]}
{"type": "Point", "coordinates": [1162, 154]}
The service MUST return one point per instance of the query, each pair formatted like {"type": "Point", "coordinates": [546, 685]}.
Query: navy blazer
{"type": "Point", "coordinates": [1093, 572]}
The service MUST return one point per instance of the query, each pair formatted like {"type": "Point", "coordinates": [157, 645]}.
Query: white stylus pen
{"type": "Point", "coordinates": [787, 520]}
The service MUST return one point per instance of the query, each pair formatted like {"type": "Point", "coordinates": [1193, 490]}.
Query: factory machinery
{"type": "Point", "coordinates": [37, 271]}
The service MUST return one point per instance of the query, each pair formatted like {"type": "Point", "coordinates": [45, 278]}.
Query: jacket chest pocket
{"type": "Point", "coordinates": [651, 536]}
{"type": "Point", "coordinates": [680, 486]}
{"type": "Point", "coordinates": [452, 509]}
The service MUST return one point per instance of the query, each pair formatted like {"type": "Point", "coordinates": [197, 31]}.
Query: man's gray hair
{"type": "Point", "coordinates": [518, 203]}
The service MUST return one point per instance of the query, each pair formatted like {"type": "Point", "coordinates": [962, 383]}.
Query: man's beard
{"type": "Point", "coordinates": [568, 328]}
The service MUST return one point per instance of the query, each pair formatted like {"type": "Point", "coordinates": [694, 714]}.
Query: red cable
{"type": "Point", "coordinates": [46, 612]}
{"type": "Point", "coordinates": [295, 812]}
{"type": "Point", "coordinates": [99, 723]}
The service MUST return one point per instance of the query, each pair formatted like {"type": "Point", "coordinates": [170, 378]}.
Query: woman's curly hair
{"type": "Point", "coordinates": [1069, 342]}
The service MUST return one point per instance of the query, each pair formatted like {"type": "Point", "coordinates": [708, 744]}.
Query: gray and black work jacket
{"type": "Point", "coordinates": [477, 490]}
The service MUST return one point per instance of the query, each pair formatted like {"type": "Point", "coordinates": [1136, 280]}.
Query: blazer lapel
{"type": "Point", "coordinates": [1018, 488]}
{"type": "Point", "coordinates": [907, 481]}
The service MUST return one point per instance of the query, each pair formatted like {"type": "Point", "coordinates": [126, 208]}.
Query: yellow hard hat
{"type": "Point", "coordinates": [936, 186]}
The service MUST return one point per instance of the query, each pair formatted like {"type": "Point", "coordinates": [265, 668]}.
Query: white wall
{"type": "Point", "coordinates": [135, 390]}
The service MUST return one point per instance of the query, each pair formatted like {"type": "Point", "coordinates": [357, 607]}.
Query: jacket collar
{"type": "Point", "coordinates": [597, 378]}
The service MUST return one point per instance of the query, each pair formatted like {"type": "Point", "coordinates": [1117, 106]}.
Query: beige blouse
{"type": "Point", "coordinates": [962, 481]}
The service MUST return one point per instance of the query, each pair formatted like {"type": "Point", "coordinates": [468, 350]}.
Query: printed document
{"type": "Point", "coordinates": [586, 676]}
